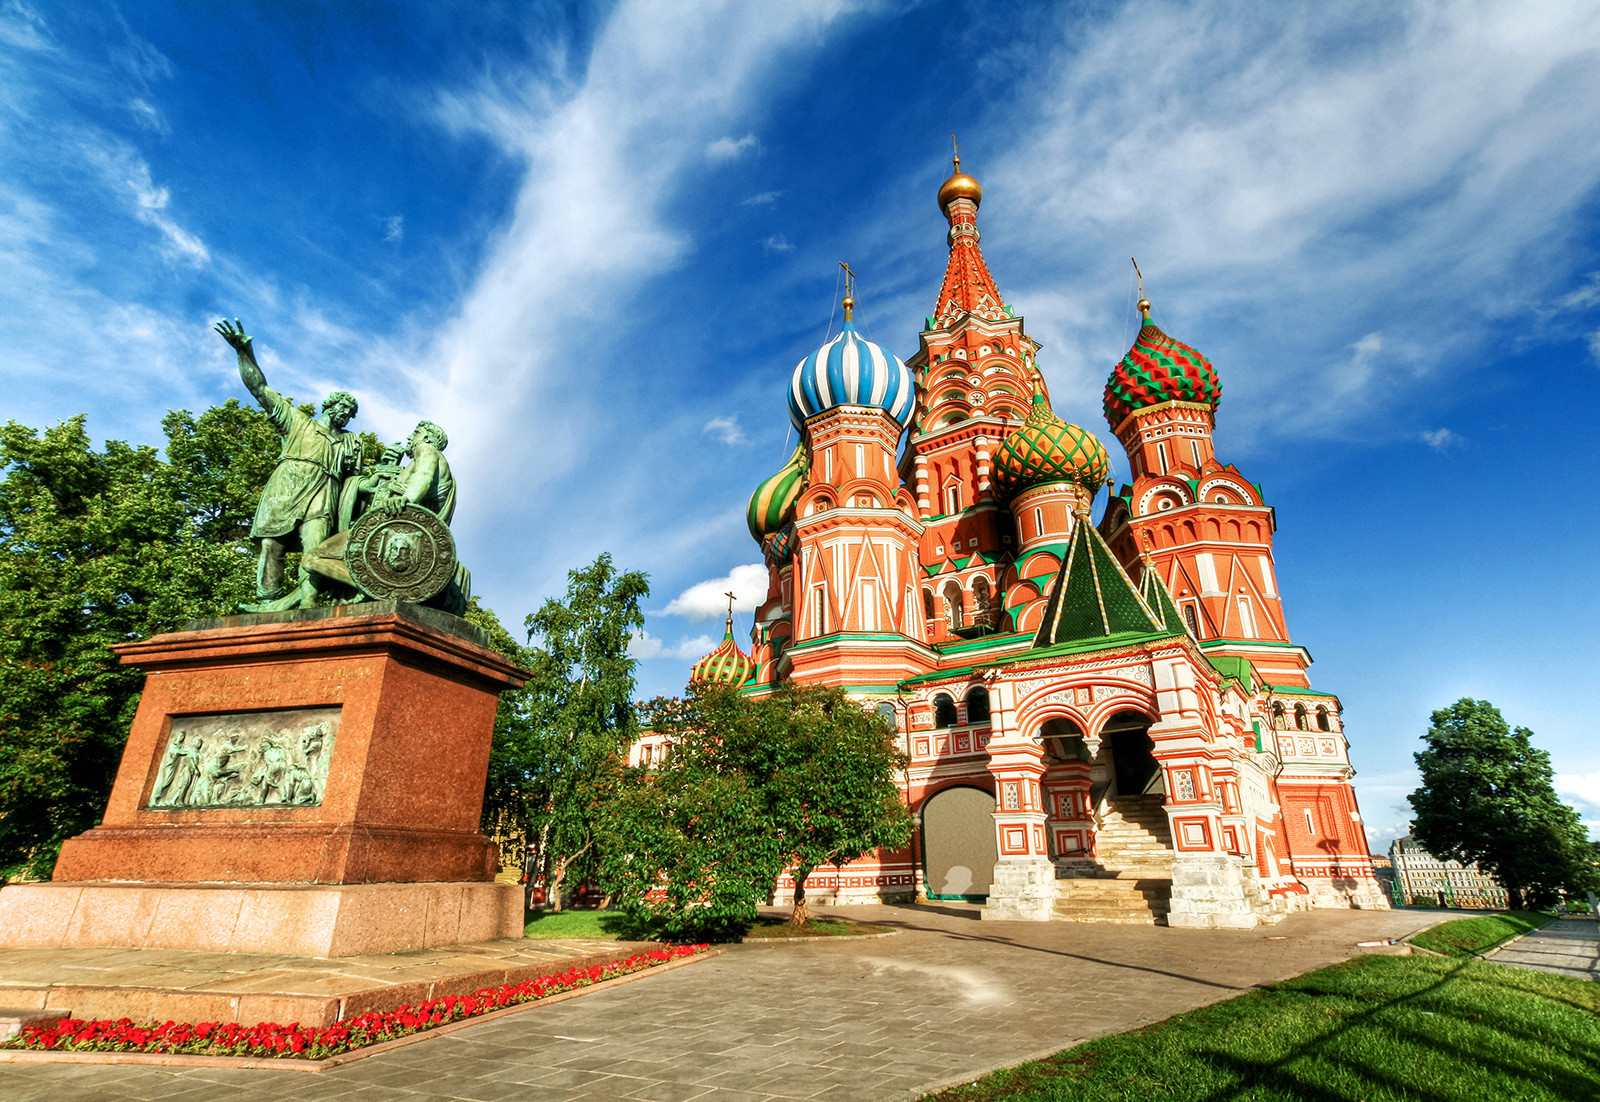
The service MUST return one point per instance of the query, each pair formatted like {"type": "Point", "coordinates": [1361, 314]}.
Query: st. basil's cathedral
{"type": "Point", "coordinates": [1104, 722]}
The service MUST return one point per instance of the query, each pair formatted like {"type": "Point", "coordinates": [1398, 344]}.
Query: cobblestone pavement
{"type": "Point", "coordinates": [1567, 947]}
{"type": "Point", "coordinates": [948, 999]}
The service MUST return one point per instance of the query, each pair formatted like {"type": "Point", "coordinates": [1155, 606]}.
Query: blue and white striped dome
{"type": "Point", "coordinates": [850, 371]}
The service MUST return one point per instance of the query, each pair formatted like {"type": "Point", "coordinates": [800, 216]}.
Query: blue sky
{"type": "Point", "coordinates": [593, 240]}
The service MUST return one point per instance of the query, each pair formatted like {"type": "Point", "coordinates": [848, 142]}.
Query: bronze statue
{"type": "Point", "coordinates": [300, 506]}
{"type": "Point", "coordinates": [380, 534]}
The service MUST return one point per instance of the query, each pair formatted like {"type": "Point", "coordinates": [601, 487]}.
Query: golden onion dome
{"type": "Point", "coordinates": [959, 186]}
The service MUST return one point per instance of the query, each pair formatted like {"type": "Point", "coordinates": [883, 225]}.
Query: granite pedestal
{"type": "Point", "coordinates": [363, 839]}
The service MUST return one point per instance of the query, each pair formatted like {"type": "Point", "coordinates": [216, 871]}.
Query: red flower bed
{"type": "Point", "coordinates": [293, 1042]}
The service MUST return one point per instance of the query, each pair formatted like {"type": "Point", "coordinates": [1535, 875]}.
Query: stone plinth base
{"type": "Point", "coordinates": [1022, 891]}
{"type": "Point", "coordinates": [313, 920]}
{"type": "Point", "coordinates": [378, 719]}
{"type": "Point", "coordinates": [1209, 892]}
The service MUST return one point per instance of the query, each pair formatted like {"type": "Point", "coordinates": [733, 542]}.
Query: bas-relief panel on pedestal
{"type": "Point", "coordinates": [274, 758]}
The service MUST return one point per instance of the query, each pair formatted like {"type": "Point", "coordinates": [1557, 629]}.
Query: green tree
{"type": "Point", "coordinates": [808, 776]}
{"type": "Point", "coordinates": [97, 548]}
{"type": "Point", "coordinates": [1487, 797]}
{"type": "Point", "coordinates": [568, 751]}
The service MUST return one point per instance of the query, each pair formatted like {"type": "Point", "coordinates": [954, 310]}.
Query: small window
{"type": "Point", "coordinates": [952, 500]}
{"type": "Point", "coordinates": [1194, 446]}
{"type": "Point", "coordinates": [1278, 721]}
{"type": "Point", "coordinates": [978, 704]}
{"type": "Point", "coordinates": [1161, 457]}
{"type": "Point", "coordinates": [1322, 719]}
{"type": "Point", "coordinates": [1300, 717]}
{"type": "Point", "coordinates": [927, 605]}
{"type": "Point", "coordinates": [886, 713]}
{"type": "Point", "coordinates": [1311, 826]}
{"type": "Point", "coordinates": [1191, 620]}
{"type": "Point", "coordinates": [944, 711]}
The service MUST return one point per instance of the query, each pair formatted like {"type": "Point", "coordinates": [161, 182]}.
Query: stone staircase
{"type": "Point", "coordinates": [1130, 880]}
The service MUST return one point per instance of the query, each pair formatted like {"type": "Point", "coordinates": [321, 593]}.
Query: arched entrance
{"type": "Point", "coordinates": [958, 843]}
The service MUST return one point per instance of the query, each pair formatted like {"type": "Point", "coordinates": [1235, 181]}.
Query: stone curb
{"type": "Point", "coordinates": [815, 938]}
{"type": "Point", "coordinates": [170, 1059]}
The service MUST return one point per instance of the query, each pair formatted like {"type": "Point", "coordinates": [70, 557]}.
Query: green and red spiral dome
{"type": "Point", "coordinates": [1048, 449]}
{"type": "Point", "coordinates": [1159, 369]}
{"type": "Point", "coordinates": [727, 665]}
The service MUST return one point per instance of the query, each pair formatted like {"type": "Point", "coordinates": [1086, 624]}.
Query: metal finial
{"type": "Point", "coordinates": [955, 150]}
{"type": "Point", "coordinates": [849, 302]}
{"type": "Point", "coordinates": [1144, 303]}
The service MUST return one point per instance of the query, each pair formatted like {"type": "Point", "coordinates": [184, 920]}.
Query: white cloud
{"type": "Point", "coordinates": [129, 174]}
{"type": "Point", "coordinates": [644, 646]}
{"type": "Point", "coordinates": [726, 429]}
{"type": "Point", "coordinates": [1295, 182]}
{"type": "Point", "coordinates": [731, 149]}
{"type": "Point", "coordinates": [1441, 439]}
{"type": "Point", "coordinates": [22, 26]}
{"type": "Point", "coordinates": [1583, 788]}
{"type": "Point", "coordinates": [778, 243]}
{"type": "Point", "coordinates": [708, 600]}
{"type": "Point", "coordinates": [764, 199]}
{"type": "Point", "coordinates": [587, 231]}
{"type": "Point", "coordinates": [394, 228]}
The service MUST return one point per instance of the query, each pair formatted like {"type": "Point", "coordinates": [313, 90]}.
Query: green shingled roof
{"type": "Point", "coordinates": [1159, 599]}
{"type": "Point", "coordinates": [1093, 598]}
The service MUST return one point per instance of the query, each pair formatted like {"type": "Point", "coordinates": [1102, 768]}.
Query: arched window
{"type": "Point", "coordinates": [927, 604]}
{"type": "Point", "coordinates": [886, 713]}
{"type": "Point", "coordinates": [1278, 721]}
{"type": "Point", "coordinates": [952, 605]}
{"type": "Point", "coordinates": [1191, 620]}
{"type": "Point", "coordinates": [977, 704]}
{"type": "Point", "coordinates": [981, 600]}
{"type": "Point", "coordinates": [1300, 717]}
{"type": "Point", "coordinates": [1322, 719]}
{"type": "Point", "coordinates": [944, 711]}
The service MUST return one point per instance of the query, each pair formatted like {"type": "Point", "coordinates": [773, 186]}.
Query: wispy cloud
{"type": "Point", "coordinates": [1291, 194]}
{"type": "Point", "coordinates": [644, 646]}
{"type": "Point", "coordinates": [764, 199]}
{"type": "Point", "coordinates": [731, 149]}
{"type": "Point", "coordinates": [708, 600]}
{"type": "Point", "coordinates": [727, 430]}
{"type": "Point", "coordinates": [394, 228]}
{"type": "Point", "coordinates": [1441, 439]}
{"type": "Point", "coordinates": [777, 243]}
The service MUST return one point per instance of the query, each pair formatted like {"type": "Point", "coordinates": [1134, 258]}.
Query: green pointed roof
{"type": "Point", "coordinates": [1093, 597]}
{"type": "Point", "coordinates": [1159, 598]}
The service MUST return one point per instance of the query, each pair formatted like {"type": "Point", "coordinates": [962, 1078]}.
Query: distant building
{"type": "Point", "coordinates": [1420, 877]}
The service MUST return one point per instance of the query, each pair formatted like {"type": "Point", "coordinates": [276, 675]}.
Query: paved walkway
{"type": "Point", "coordinates": [948, 999]}
{"type": "Point", "coordinates": [1567, 947]}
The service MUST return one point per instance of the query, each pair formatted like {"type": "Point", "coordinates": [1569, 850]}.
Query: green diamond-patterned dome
{"type": "Point", "coordinates": [1047, 449]}
{"type": "Point", "coordinates": [1159, 369]}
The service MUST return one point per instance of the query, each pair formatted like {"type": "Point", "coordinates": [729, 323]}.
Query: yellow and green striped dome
{"type": "Point", "coordinates": [727, 665]}
{"type": "Point", "coordinates": [772, 505]}
{"type": "Point", "coordinates": [1047, 449]}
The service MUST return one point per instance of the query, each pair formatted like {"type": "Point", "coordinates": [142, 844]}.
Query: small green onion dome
{"type": "Point", "coordinates": [727, 665]}
{"type": "Point", "coordinates": [1047, 449]}
{"type": "Point", "coordinates": [772, 505]}
{"type": "Point", "coordinates": [1159, 369]}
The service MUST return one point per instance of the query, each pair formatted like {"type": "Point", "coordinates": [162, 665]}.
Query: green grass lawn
{"type": "Point", "coordinates": [598, 925]}
{"type": "Point", "coordinates": [1465, 936]}
{"type": "Point", "coordinates": [1375, 1029]}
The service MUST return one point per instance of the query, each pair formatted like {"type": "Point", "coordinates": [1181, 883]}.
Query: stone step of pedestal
{"type": "Point", "coordinates": [1122, 897]}
{"type": "Point", "coordinates": [14, 1018]}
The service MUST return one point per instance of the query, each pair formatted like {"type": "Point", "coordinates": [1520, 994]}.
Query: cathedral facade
{"type": "Point", "coordinates": [1104, 721]}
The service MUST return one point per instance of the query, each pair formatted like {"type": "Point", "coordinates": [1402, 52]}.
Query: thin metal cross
{"type": "Point", "coordinates": [849, 280]}
{"type": "Point", "coordinates": [730, 604]}
{"type": "Point", "coordinates": [1140, 274]}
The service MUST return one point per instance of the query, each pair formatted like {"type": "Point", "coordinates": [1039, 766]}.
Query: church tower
{"type": "Point", "coordinates": [975, 383]}
{"type": "Point", "coordinates": [1203, 526]}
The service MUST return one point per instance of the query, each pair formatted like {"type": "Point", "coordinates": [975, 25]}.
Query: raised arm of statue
{"type": "Point", "coordinates": [250, 371]}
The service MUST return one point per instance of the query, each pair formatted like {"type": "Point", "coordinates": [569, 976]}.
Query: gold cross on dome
{"type": "Point", "coordinates": [849, 280]}
{"type": "Point", "coordinates": [730, 604]}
